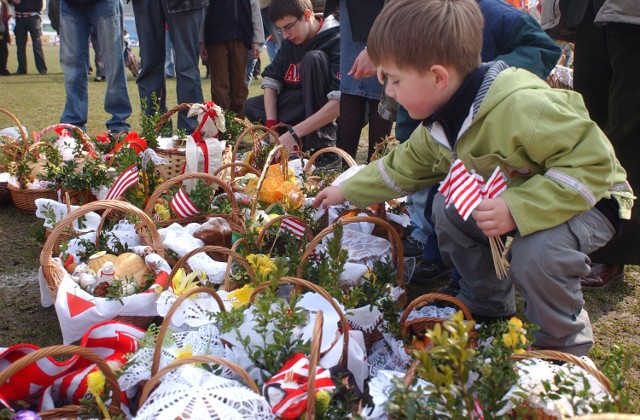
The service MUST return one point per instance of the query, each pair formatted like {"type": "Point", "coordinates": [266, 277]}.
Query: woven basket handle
{"type": "Point", "coordinates": [565, 357]}
{"type": "Point", "coordinates": [67, 350]}
{"type": "Point", "coordinates": [254, 130]}
{"type": "Point", "coordinates": [166, 323]}
{"type": "Point", "coordinates": [344, 155]}
{"type": "Point", "coordinates": [394, 238]}
{"type": "Point", "coordinates": [232, 172]}
{"type": "Point", "coordinates": [167, 115]}
{"type": "Point", "coordinates": [23, 134]}
{"type": "Point", "coordinates": [314, 358]}
{"type": "Point", "coordinates": [307, 230]}
{"type": "Point", "coordinates": [53, 273]}
{"type": "Point", "coordinates": [156, 379]}
{"type": "Point", "coordinates": [209, 178]}
{"type": "Point", "coordinates": [219, 249]}
{"type": "Point", "coordinates": [428, 298]}
{"type": "Point", "coordinates": [302, 283]}
{"type": "Point", "coordinates": [87, 144]}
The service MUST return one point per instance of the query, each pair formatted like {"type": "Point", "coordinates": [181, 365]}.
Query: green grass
{"type": "Point", "coordinates": [38, 101]}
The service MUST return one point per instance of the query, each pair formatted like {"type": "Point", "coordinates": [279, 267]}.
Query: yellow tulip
{"type": "Point", "coordinates": [181, 282]}
{"type": "Point", "coordinates": [240, 297]}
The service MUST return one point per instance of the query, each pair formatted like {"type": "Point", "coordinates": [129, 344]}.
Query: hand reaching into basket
{"type": "Point", "coordinates": [330, 196]}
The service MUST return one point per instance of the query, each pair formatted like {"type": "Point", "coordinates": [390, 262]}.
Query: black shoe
{"type": "Point", "coordinates": [43, 72]}
{"type": "Point", "coordinates": [412, 247]}
{"type": "Point", "coordinates": [99, 79]}
{"type": "Point", "coordinates": [5, 72]}
{"type": "Point", "coordinates": [20, 72]}
{"type": "Point", "coordinates": [427, 272]}
{"type": "Point", "coordinates": [451, 289]}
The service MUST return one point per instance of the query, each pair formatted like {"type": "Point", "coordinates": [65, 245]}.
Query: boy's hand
{"type": "Point", "coordinates": [330, 196]}
{"type": "Point", "coordinates": [493, 217]}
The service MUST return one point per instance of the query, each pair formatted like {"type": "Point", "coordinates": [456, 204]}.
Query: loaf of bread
{"type": "Point", "coordinates": [215, 231]}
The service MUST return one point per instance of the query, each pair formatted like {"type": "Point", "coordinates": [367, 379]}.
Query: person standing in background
{"type": "Point", "coordinates": [359, 98]}
{"type": "Point", "coordinates": [605, 66]}
{"type": "Point", "coordinates": [28, 21]}
{"type": "Point", "coordinates": [184, 19]}
{"type": "Point", "coordinates": [231, 28]}
{"type": "Point", "coordinates": [78, 18]}
{"type": "Point", "coordinates": [5, 38]}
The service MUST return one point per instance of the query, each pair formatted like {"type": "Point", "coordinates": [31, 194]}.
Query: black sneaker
{"type": "Point", "coordinates": [427, 272]}
{"type": "Point", "coordinates": [412, 247]}
{"type": "Point", "coordinates": [451, 289]}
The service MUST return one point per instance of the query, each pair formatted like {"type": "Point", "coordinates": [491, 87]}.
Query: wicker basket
{"type": "Point", "coordinates": [259, 135]}
{"type": "Point", "coordinates": [87, 144]}
{"type": "Point", "coordinates": [25, 199]}
{"type": "Point", "coordinates": [53, 273]}
{"type": "Point", "coordinates": [176, 156]}
{"type": "Point", "coordinates": [235, 219]}
{"type": "Point", "coordinates": [538, 413]}
{"type": "Point", "coordinates": [228, 172]}
{"type": "Point", "coordinates": [418, 326]}
{"type": "Point", "coordinates": [372, 336]}
{"type": "Point", "coordinates": [70, 411]}
{"type": "Point", "coordinates": [229, 253]}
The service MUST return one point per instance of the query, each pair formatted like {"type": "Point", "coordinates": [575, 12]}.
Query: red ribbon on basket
{"type": "Point", "coordinates": [209, 112]}
{"type": "Point", "coordinates": [286, 391]}
{"type": "Point", "coordinates": [132, 141]}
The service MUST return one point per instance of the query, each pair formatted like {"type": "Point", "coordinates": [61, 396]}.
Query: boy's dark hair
{"type": "Point", "coordinates": [417, 34]}
{"type": "Point", "coordinates": [279, 9]}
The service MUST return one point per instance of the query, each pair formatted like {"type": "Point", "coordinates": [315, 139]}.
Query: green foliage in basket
{"type": "Point", "coordinates": [150, 120]}
{"type": "Point", "coordinates": [456, 374]}
{"type": "Point", "coordinates": [233, 128]}
{"type": "Point", "coordinates": [75, 175]}
{"type": "Point", "coordinates": [22, 170]}
{"type": "Point", "coordinates": [202, 195]}
{"type": "Point", "coordinates": [87, 248]}
{"type": "Point", "coordinates": [278, 323]}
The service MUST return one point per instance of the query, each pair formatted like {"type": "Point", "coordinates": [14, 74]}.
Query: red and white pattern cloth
{"type": "Point", "coordinates": [47, 381]}
{"type": "Point", "coordinates": [466, 189]}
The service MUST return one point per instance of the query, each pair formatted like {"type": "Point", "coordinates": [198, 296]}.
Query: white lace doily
{"type": "Point", "coordinates": [203, 341]}
{"type": "Point", "coordinates": [180, 240]}
{"type": "Point", "coordinates": [362, 248]}
{"type": "Point", "coordinates": [192, 312]}
{"type": "Point", "coordinates": [531, 375]}
{"type": "Point", "coordinates": [194, 393]}
{"type": "Point", "coordinates": [387, 354]}
{"type": "Point", "coordinates": [430, 311]}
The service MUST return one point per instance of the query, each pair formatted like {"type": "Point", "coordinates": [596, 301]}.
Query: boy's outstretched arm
{"type": "Point", "coordinates": [330, 196]}
{"type": "Point", "coordinates": [493, 217]}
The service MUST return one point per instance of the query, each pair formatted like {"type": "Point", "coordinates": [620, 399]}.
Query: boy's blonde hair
{"type": "Point", "coordinates": [417, 34]}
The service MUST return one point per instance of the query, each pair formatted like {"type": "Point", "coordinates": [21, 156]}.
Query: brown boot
{"type": "Point", "coordinates": [603, 276]}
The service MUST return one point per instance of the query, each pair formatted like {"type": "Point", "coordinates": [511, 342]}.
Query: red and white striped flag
{"type": "Point", "coordinates": [495, 185]}
{"type": "Point", "coordinates": [182, 205]}
{"type": "Point", "coordinates": [294, 226]}
{"type": "Point", "coordinates": [457, 174]}
{"type": "Point", "coordinates": [127, 179]}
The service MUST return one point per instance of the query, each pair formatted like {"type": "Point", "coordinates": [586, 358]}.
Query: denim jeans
{"type": "Point", "coordinates": [184, 29]}
{"type": "Point", "coordinates": [169, 57]}
{"type": "Point", "coordinates": [76, 25]}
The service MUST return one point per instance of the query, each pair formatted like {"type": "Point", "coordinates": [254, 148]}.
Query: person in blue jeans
{"type": "Point", "coordinates": [77, 20]}
{"type": "Point", "coordinates": [184, 19]}
{"type": "Point", "coordinates": [516, 38]}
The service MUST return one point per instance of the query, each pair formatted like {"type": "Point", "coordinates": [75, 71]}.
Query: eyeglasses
{"type": "Point", "coordinates": [288, 27]}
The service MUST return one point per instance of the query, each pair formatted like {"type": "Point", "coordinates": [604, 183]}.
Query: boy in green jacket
{"type": "Point", "coordinates": [565, 190]}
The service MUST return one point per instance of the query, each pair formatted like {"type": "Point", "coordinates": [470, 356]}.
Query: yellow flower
{"type": "Point", "coordinates": [262, 266]}
{"type": "Point", "coordinates": [515, 339]}
{"type": "Point", "coordinates": [95, 382]}
{"type": "Point", "coordinates": [240, 297]}
{"type": "Point", "coordinates": [183, 353]}
{"type": "Point", "coordinates": [516, 322]}
{"type": "Point", "coordinates": [181, 282]}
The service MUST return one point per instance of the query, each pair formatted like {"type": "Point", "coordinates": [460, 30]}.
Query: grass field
{"type": "Point", "coordinates": [38, 101]}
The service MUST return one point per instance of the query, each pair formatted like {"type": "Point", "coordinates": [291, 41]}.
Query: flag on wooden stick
{"type": "Point", "coordinates": [127, 179]}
